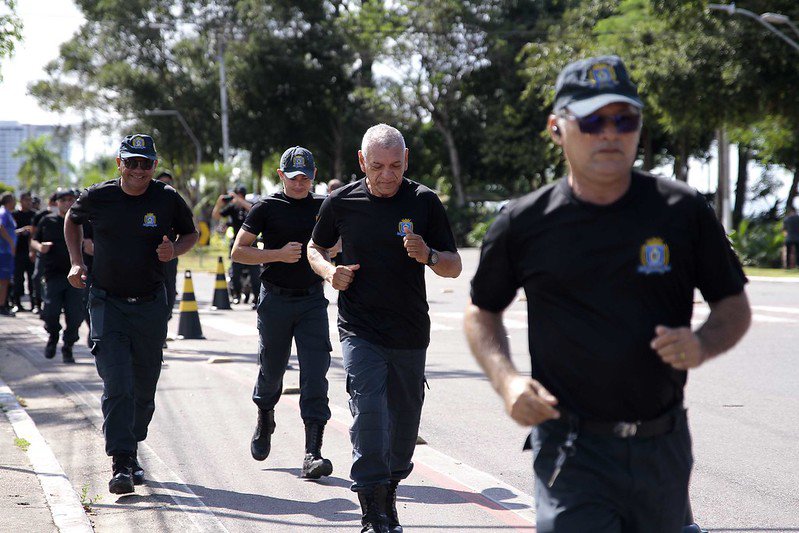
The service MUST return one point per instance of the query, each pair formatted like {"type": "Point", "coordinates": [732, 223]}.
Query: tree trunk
{"type": "Point", "coordinates": [681, 161]}
{"type": "Point", "coordinates": [646, 145]}
{"type": "Point", "coordinates": [794, 185]}
{"type": "Point", "coordinates": [741, 185]}
{"type": "Point", "coordinates": [455, 162]}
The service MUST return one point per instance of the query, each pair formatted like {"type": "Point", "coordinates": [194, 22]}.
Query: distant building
{"type": "Point", "coordinates": [12, 134]}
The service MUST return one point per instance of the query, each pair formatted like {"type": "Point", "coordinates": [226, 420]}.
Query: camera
{"type": "Point", "coordinates": [227, 197]}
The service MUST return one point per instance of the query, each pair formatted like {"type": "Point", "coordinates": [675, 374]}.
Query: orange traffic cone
{"type": "Point", "coordinates": [221, 299]}
{"type": "Point", "coordinates": [189, 324]}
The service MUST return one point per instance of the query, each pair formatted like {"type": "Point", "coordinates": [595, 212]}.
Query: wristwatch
{"type": "Point", "coordinates": [432, 258]}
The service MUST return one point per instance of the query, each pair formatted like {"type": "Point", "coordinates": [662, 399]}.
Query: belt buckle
{"type": "Point", "coordinates": [131, 300]}
{"type": "Point", "coordinates": [625, 430]}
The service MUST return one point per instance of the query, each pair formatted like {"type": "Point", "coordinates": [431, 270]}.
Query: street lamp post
{"type": "Point", "coordinates": [766, 20]}
{"type": "Point", "coordinates": [176, 113]}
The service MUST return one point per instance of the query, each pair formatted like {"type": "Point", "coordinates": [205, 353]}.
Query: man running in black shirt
{"type": "Point", "coordinates": [292, 305]}
{"type": "Point", "coordinates": [608, 258]}
{"type": "Point", "coordinates": [390, 229]}
{"type": "Point", "coordinates": [59, 294]}
{"type": "Point", "coordinates": [131, 217]}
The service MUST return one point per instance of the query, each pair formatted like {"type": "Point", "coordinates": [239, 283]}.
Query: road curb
{"type": "Point", "coordinates": [65, 507]}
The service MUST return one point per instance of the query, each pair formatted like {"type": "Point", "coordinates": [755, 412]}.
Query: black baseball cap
{"type": "Point", "coordinates": [296, 161]}
{"type": "Point", "coordinates": [63, 193]}
{"type": "Point", "coordinates": [163, 173]}
{"type": "Point", "coordinates": [137, 145]}
{"type": "Point", "coordinates": [586, 85]}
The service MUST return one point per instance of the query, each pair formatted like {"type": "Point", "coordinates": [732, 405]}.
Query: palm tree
{"type": "Point", "coordinates": [39, 171]}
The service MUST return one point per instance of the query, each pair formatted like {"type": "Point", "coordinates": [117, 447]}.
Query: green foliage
{"type": "Point", "coordinates": [4, 187]}
{"type": "Point", "coordinates": [40, 164]}
{"type": "Point", "coordinates": [10, 29]}
{"type": "Point", "coordinates": [22, 444]}
{"type": "Point", "coordinates": [759, 244]}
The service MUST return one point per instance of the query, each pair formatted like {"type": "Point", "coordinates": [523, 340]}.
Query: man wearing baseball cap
{"type": "Point", "coordinates": [609, 258]}
{"type": "Point", "coordinates": [292, 306]}
{"type": "Point", "coordinates": [131, 218]}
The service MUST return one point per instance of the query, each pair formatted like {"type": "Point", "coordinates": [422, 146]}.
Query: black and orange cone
{"type": "Point", "coordinates": [221, 298]}
{"type": "Point", "coordinates": [189, 324]}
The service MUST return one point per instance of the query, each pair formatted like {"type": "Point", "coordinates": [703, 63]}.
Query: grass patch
{"type": "Point", "coordinates": [22, 444]}
{"type": "Point", "coordinates": [87, 502]}
{"type": "Point", "coordinates": [204, 258]}
{"type": "Point", "coordinates": [772, 272]}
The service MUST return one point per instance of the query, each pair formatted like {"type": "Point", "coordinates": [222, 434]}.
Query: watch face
{"type": "Point", "coordinates": [434, 259]}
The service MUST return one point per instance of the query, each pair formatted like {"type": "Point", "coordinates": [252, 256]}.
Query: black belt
{"type": "Point", "coordinates": [135, 299]}
{"type": "Point", "coordinates": [661, 425]}
{"type": "Point", "coordinates": [318, 287]}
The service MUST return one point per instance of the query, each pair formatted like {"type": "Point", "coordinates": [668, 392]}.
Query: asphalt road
{"type": "Point", "coordinates": [470, 476]}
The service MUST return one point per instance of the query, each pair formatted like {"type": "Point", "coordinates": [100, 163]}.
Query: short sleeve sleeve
{"type": "Point", "coordinates": [80, 210]}
{"type": "Point", "coordinates": [719, 273]}
{"type": "Point", "coordinates": [325, 233]}
{"type": "Point", "coordinates": [439, 233]}
{"type": "Point", "coordinates": [494, 284]}
{"type": "Point", "coordinates": [256, 219]}
{"type": "Point", "coordinates": [183, 223]}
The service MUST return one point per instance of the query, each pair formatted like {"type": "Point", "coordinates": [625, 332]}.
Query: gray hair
{"type": "Point", "coordinates": [384, 136]}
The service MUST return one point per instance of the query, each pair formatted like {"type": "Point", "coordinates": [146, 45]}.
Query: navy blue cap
{"type": "Point", "coordinates": [586, 85]}
{"type": "Point", "coordinates": [137, 145]}
{"type": "Point", "coordinates": [296, 161]}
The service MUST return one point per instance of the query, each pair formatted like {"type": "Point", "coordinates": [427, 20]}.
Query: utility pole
{"type": "Point", "coordinates": [723, 185]}
{"type": "Point", "coordinates": [223, 96]}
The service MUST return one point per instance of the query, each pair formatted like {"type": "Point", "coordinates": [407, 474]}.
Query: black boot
{"type": "Point", "coordinates": [261, 443]}
{"type": "Point", "coordinates": [373, 507]}
{"type": "Point", "coordinates": [136, 471]}
{"type": "Point", "coordinates": [391, 508]}
{"type": "Point", "coordinates": [122, 480]}
{"type": "Point", "coordinates": [66, 353]}
{"type": "Point", "coordinates": [314, 465]}
{"type": "Point", "coordinates": [52, 342]}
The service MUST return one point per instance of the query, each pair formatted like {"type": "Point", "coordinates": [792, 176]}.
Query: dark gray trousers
{"type": "Point", "coordinates": [302, 318]}
{"type": "Point", "coordinates": [60, 295]}
{"type": "Point", "coordinates": [128, 340]}
{"type": "Point", "coordinates": [611, 484]}
{"type": "Point", "coordinates": [386, 388]}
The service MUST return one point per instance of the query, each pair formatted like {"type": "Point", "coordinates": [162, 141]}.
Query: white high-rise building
{"type": "Point", "coordinates": [12, 134]}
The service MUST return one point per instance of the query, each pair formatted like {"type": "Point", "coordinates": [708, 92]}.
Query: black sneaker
{"type": "Point", "coordinates": [122, 480]}
{"type": "Point", "coordinates": [6, 311]}
{"type": "Point", "coordinates": [66, 354]}
{"type": "Point", "coordinates": [49, 349]}
{"type": "Point", "coordinates": [137, 472]}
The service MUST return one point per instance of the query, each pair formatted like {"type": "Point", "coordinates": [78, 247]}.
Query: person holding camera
{"type": "Point", "coordinates": [235, 206]}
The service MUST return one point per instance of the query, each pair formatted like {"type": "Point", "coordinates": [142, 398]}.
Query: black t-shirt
{"type": "Point", "coordinates": [281, 219]}
{"type": "Point", "coordinates": [56, 261]}
{"type": "Point", "coordinates": [386, 303]}
{"type": "Point", "coordinates": [88, 233]}
{"type": "Point", "coordinates": [237, 216]}
{"type": "Point", "coordinates": [23, 218]}
{"type": "Point", "coordinates": [40, 214]}
{"type": "Point", "coordinates": [127, 231]}
{"type": "Point", "coordinates": [598, 279]}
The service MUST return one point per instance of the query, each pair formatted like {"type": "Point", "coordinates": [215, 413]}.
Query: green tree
{"type": "Point", "coordinates": [10, 29]}
{"type": "Point", "coordinates": [40, 164]}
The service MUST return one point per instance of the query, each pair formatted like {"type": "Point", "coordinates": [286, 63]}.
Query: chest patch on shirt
{"type": "Point", "coordinates": [405, 226]}
{"type": "Point", "coordinates": [654, 257]}
{"type": "Point", "coordinates": [150, 221]}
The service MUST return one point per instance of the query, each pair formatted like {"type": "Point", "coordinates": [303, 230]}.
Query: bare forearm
{"type": "Point", "coordinates": [185, 243]}
{"type": "Point", "coordinates": [73, 235]}
{"type": "Point", "coordinates": [36, 245]}
{"type": "Point", "coordinates": [319, 259]}
{"type": "Point", "coordinates": [727, 323]}
{"type": "Point", "coordinates": [449, 265]}
{"type": "Point", "coordinates": [488, 342]}
{"type": "Point", "coordinates": [249, 255]}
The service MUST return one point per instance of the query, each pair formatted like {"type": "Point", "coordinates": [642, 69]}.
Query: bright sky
{"type": "Point", "coordinates": [47, 24]}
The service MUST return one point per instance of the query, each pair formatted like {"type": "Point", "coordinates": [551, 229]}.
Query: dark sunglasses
{"type": "Point", "coordinates": [133, 163]}
{"type": "Point", "coordinates": [594, 124]}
